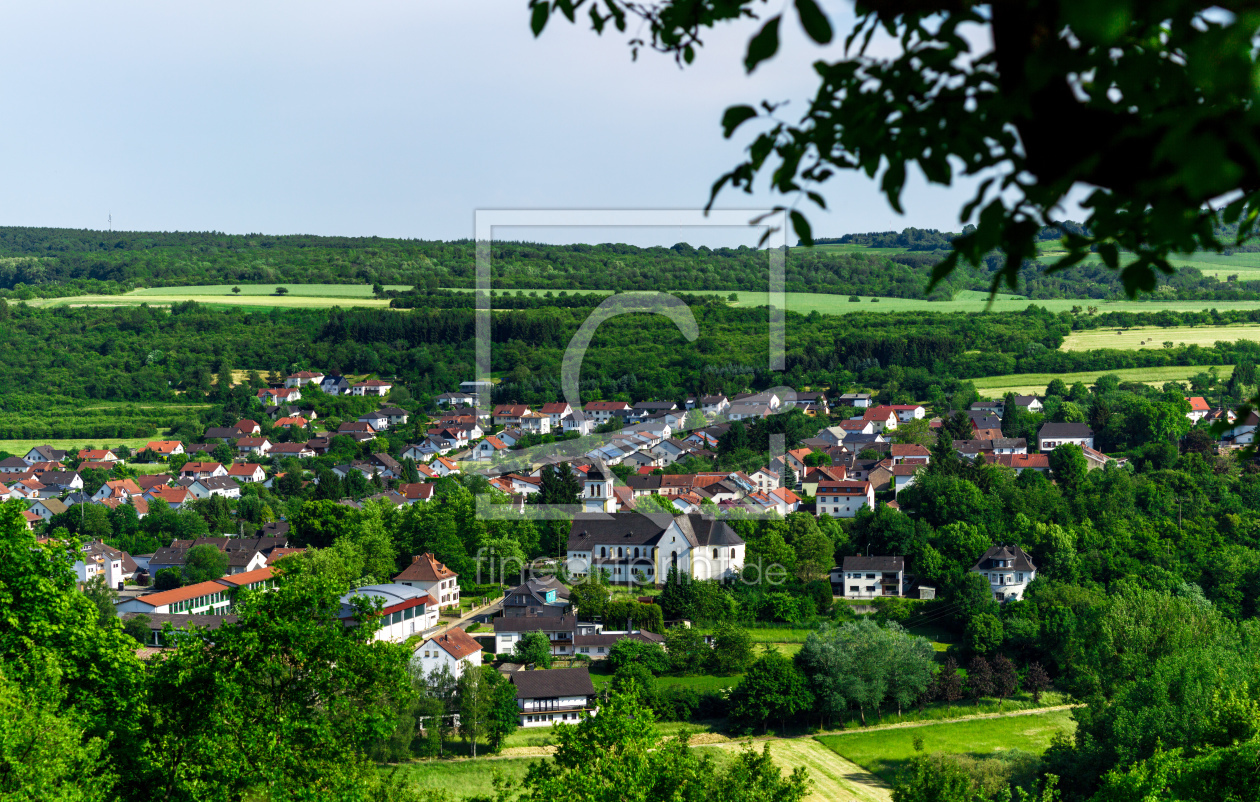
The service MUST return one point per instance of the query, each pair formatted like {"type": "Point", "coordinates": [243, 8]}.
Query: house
{"type": "Point", "coordinates": [843, 499]}
{"type": "Point", "coordinates": [559, 629]}
{"type": "Point", "coordinates": [46, 508]}
{"type": "Point", "coordinates": [59, 482]}
{"type": "Point", "coordinates": [653, 544]}
{"type": "Point", "coordinates": [165, 448]}
{"type": "Point", "coordinates": [870, 577]}
{"type": "Point", "coordinates": [303, 378]}
{"type": "Point", "coordinates": [117, 488]}
{"type": "Point", "coordinates": [563, 695]}
{"type": "Point", "coordinates": [903, 475]}
{"type": "Point", "coordinates": [453, 649]}
{"type": "Point", "coordinates": [404, 611]}
{"type": "Point", "coordinates": [595, 642]}
{"type": "Point", "coordinates": [272, 396]}
{"type": "Point", "coordinates": [1022, 462]}
{"type": "Point", "coordinates": [253, 445]}
{"type": "Point", "coordinates": [194, 450]}
{"type": "Point", "coordinates": [14, 465]}
{"type": "Point", "coordinates": [859, 400]}
{"type": "Point", "coordinates": [824, 473]}
{"type": "Point", "coordinates": [1029, 402]}
{"type": "Point", "coordinates": [602, 411]}
{"type": "Point", "coordinates": [44, 454]}
{"type": "Point", "coordinates": [376, 420]}
{"type": "Point", "coordinates": [532, 422]}
{"type": "Point", "coordinates": [395, 415]}
{"type": "Point", "coordinates": [222, 434]}
{"type": "Point", "coordinates": [98, 455]}
{"type": "Point", "coordinates": [901, 452]}
{"type": "Point", "coordinates": [335, 385]}
{"type": "Point", "coordinates": [201, 470]}
{"type": "Point", "coordinates": [1053, 435]}
{"type": "Point", "coordinates": [444, 467]}
{"type": "Point", "coordinates": [203, 598]}
{"type": "Point", "coordinates": [541, 596]}
{"type": "Point", "coordinates": [1095, 459]}
{"type": "Point", "coordinates": [390, 468]}
{"type": "Point", "coordinates": [431, 576]}
{"type": "Point", "coordinates": [299, 450]}
{"type": "Point", "coordinates": [995, 408]}
{"type": "Point", "coordinates": [783, 501]}
{"type": "Point", "coordinates": [416, 491]}
{"type": "Point", "coordinates": [1008, 571]}
{"type": "Point", "coordinates": [1199, 408]}
{"type": "Point", "coordinates": [358, 430]}
{"type": "Point", "coordinates": [882, 419]}
{"type": "Point", "coordinates": [1243, 433]}
{"type": "Point", "coordinates": [257, 579]}
{"type": "Point", "coordinates": [752, 411]}
{"type": "Point", "coordinates": [373, 387]}
{"type": "Point", "coordinates": [247, 472]}
{"type": "Point", "coordinates": [224, 486]}
{"type": "Point", "coordinates": [175, 497]}
{"type": "Point", "coordinates": [292, 422]}
{"type": "Point", "coordinates": [247, 428]}
{"type": "Point", "coordinates": [456, 400]}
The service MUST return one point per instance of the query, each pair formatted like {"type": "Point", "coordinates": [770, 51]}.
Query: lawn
{"type": "Point", "coordinates": [1154, 337]}
{"type": "Point", "coordinates": [887, 752]}
{"type": "Point", "coordinates": [20, 447]}
{"type": "Point", "coordinates": [601, 677]}
{"type": "Point", "coordinates": [460, 778]}
{"type": "Point", "coordinates": [1035, 383]}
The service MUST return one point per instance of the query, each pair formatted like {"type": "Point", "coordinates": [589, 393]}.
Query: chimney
{"type": "Point", "coordinates": [415, 558]}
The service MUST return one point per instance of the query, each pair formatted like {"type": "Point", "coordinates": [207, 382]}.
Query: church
{"type": "Point", "coordinates": [643, 547]}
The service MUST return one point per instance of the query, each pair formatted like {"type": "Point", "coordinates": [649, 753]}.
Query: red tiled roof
{"type": "Point", "coordinates": [424, 568]}
{"type": "Point", "coordinates": [247, 578]}
{"type": "Point", "coordinates": [457, 643]}
{"type": "Point", "coordinates": [163, 446]}
{"type": "Point", "coordinates": [181, 594]}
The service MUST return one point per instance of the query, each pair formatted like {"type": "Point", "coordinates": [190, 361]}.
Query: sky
{"type": "Point", "coordinates": [383, 117]}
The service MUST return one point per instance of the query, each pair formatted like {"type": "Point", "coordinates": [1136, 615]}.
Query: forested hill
{"type": "Point", "coordinates": [56, 262]}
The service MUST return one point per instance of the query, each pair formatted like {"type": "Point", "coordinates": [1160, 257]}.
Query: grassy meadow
{"type": "Point", "coordinates": [887, 752]}
{"type": "Point", "coordinates": [1035, 383]}
{"type": "Point", "coordinates": [1153, 337]}
{"type": "Point", "coordinates": [20, 447]}
{"type": "Point", "coordinates": [833, 778]}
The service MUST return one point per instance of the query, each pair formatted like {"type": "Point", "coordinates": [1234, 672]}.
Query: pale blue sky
{"type": "Point", "coordinates": [374, 117]}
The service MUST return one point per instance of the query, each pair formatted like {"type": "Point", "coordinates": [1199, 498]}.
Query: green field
{"type": "Point", "coordinates": [20, 447]}
{"type": "Point", "coordinates": [459, 778]}
{"type": "Point", "coordinates": [1245, 265]}
{"type": "Point", "coordinates": [1035, 383]}
{"type": "Point", "coordinates": [298, 296]}
{"type": "Point", "coordinates": [1154, 337]}
{"type": "Point", "coordinates": [833, 778]}
{"type": "Point", "coordinates": [887, 752]}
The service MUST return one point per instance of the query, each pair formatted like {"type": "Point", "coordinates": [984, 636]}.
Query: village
{"type": "Point", "coordinates": [621, 455]}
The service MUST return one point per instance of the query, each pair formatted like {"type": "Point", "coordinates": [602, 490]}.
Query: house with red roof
{"type": "Point", "coordinates": [1199, 408]}
{"type": "Point", "coordinates": [455, 649]}
{"type": "Point", "coordinates": [434, 578]}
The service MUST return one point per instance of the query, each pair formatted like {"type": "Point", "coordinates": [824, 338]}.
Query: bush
{"type": "Point", "coordinates": [168, 579]}
{"type": "Point", "coordinates": [503, 657]}
{"type": "Point", "coordinates": [854, 299]}
{"type": "Point", "coordinates": [628, 651]}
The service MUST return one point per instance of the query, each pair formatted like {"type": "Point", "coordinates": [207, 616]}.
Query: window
{"type": "Point", "coordinates": [1019, 578]}
{"type": "Point", "coordinates": [715, 554]}
{"type": "Point", "coordinates": [854, 589]}
{"type": "Point", "coordinates": [732, 552]}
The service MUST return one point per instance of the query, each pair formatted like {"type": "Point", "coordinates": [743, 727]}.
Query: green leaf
{"type": "Point", "coordinates": [1110, 254]}
{"type": "Point", "coordinates": [734, 117]}
{"type": "Point", "coordinates": [538, 18]}
{"type": "Point", "coordinates": [764, 45]}
{"type": "Point", "coordinates": [801, 226]}
{"type": "Point", "coordinates": [814, 21]}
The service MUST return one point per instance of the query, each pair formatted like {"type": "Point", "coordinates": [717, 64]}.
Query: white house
{"type": "Point", "coordinates": [626, 545]}
{"type": "Point", "coordinates": [869, 577]}
{"type": "Point", "coordinates": [1199, 408]}
{"type": "Point", "coordinates": [373, 387]}
{"type": "Point", "coordinates": [203, 598]}
{"type": "Point", "coordinates": [843, 499]}
{"type": "Point", "coordinates": [559, 629]}
{"type": "Point", "coordinates": [1029, 402]}
{"type": "Point", "coordinates": [224, 486]}
{"type": "Point", "coordinates": [602, 411]}
{"type": "Point", "coordinates": [405, 610]}
{"type": "Point", "coordinates": [1053, 435]}
{"type": "Point", "coordinates": [303, 377]}
{"type": "Point", "coordinates": [1008, 570]}
{"type": "Point", "coordinates": [431, 576]}
{"type": "Point", "coordinates": [455, 649]}
{"type": "Point", "coordinates": [859, 400]}
{"type": "Point", "coordinates": [572, 424]}
{"type": "Point", "coordinates": [558, 695]}
{"type": "Point", "coordinates": [714, 405]}
{"type": "Point", "coordinates": [97, 559]}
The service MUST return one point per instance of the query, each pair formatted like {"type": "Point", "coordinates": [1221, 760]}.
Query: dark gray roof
{"type": "Point", "coordinates": [874, 563]}
{"type": "Point", "coordinates": [168, 556]}
{"type": "Point", "coordinates": [1019, 560]}
{"type": "Point", "coordinates": [1065, 430]}
{"type": "Point", "coordinates": [63, 478]}
{"type": "Point", "coordinates": [221, 432]}
{"type": "Point", "coordinates": [218, 483]}
{"type": "Point", "coordinates": [553, 682]}
{"type": "Point", "coordinates": [712, 532]}
{"type": "Point", "coordinates": [535, 623]}
{"type": "Point", "coordinates": [984, 420]}
{"type": "Point", "coordinates": [538, 587]}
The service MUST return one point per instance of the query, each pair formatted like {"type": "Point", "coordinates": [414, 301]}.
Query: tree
{"type": "Point", "coordinates": [732, 649]}
{"type": "Point", "coordinates": [505, 715]}
{"type": "Point", "coordinates": [168, 579]}
{"type": "Point", "coordinates": [103, 597]}
{"type": "Point", "coordinates": [302, 696]}
{"type": "Point", "coordinates": [937, 779]}
{"type": "Point", "coordinates": [282, 290]}
{"type": "Point", "coordinates": [236, 290]}
{"type": "Point", "coordinates": [1036, 681]}
{"type": "Point", "coordinates": [533, 649]}
{"type": "Point", "coordinates": [948, 683]}
{"type": "Point", "coordinates": [688, 653]}
{"type": "Point", "coordinates": [984, 633]}
{"type": "Point", "coordinates": [1004, 678]}
{"type": "Point", "coordinates": [138, 627]}
{"type": "Point", "coordinates": [773, 688]}
{"type": "Point", "coordinates": [623, 742]}
{"type": "Point", "coordinates": [629, 651]}
{"type": "Point", "coordinates": [979, 678]}
{"type": "Point", "coordinates": [204, 563]}
{"type": "Point", "coordinates": [481, 712]}
{"type": "Point", "coordinates": [1068, 466]}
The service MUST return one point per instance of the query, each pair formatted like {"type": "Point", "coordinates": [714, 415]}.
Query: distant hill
{"type": "Point", "coordinates": [57, 262]}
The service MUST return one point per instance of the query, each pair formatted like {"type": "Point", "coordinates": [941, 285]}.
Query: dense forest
{"type": "Point", "coordinates": [37, 262]}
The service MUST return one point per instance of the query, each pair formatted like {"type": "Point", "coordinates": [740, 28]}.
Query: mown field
{"type": "Point", "coordinates": [1154, 337]}
{"type": "Point", "coordinates": [264, 295]}
{"type": "Point", "coordinates": [459, 778]}
{"type": "Point", "coordinates": [1035, 383]}
{"type": "Point", "coordinates": [834, 778]}
{"type": "Point", "coordinates": [887, 752]}
{"type": "Point", "coordinates": [20, 447]}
